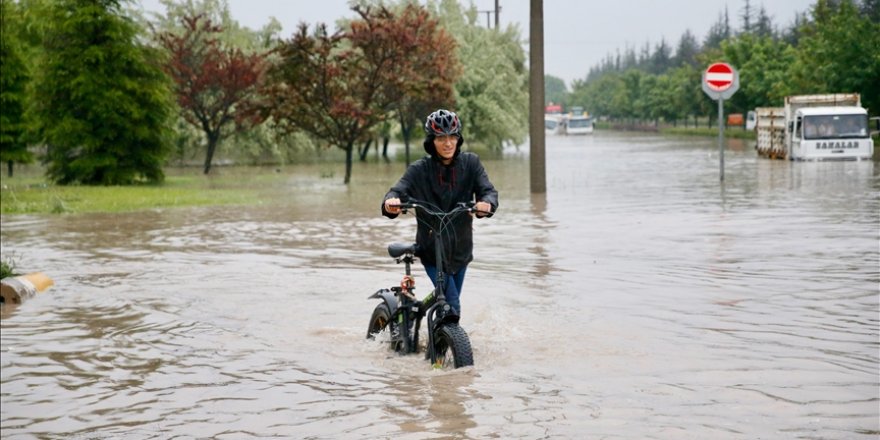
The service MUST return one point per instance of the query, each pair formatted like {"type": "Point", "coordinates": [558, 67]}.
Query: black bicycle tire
{"type": "Point", "coordinates": [380, 319]}
{"type": "Point", "coordinates": [452, 336]}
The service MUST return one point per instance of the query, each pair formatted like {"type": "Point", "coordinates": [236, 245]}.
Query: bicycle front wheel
{"type": "Point", "coordinates": [452, 347]}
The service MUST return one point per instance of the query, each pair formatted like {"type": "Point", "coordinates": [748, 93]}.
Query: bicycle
{"type": "Point", "coordinates": [401, 312]}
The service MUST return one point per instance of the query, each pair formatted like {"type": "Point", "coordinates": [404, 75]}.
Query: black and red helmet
{"type": "Point", "coordinates": [443, 123]}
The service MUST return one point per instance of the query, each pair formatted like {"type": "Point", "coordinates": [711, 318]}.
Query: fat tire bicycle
{"type": "Point", "coordinates": [401, 312]}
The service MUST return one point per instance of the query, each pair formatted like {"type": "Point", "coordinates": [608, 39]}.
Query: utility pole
{"type": "Point", "coordinates": [537, 160]}
{"type": "Point", "coordinates": [497, 10]}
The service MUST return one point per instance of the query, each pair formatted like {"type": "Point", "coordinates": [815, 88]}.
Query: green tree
{"type": "Point", "coordinates": [764, 25]}
{"type": "Point", "coordinates": [605, 96]}
{"type": "Point", "coordinates": [719, 31]}
{"type": "Point", "coordinates": [555, 91]}
{"type": "Point", "coordinates": [492, 94]}
{"type": "Point", "coordinates": [101, 101]}
{"type": "Point", "coordinates": [763, 63]}
{"type": "Point", "coordinates": [232, 34]}
{"type": "Point", "coordinates": [688, 96]}
{"type": "Point", "coordinates": [13, 80]}
{"type": "Point", "coordinates": [661, 59]}
{"type": "Point", "coordinates": [837, 52]}
{"type": "Point", "coordinates": [687, 50]}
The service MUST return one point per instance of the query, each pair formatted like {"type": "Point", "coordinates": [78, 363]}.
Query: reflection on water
{"type": "Point", "coordinates": [639, 298]}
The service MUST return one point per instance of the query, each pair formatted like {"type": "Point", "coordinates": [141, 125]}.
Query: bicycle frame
{"type": "Point", "coordinates": [401, 301]}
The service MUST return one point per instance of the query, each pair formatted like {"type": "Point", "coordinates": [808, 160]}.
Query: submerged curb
{"type": "Point", "coordinates": [16, 290]}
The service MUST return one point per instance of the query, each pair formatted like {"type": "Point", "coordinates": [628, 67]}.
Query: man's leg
{"type": "Point", "coordinates": [454, 284]}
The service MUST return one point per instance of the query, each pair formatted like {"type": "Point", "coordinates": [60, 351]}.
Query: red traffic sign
{"type": "Point", "coordinates": [719, 77]}
{"type": "Point", "coordinates": [720, 81]}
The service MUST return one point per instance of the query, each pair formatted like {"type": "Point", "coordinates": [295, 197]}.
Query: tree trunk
{"type": "Point", "coordinates": [407, 131]}
{"type": "Point", "coordinates": [9, 164]}
{"type": "Point", "coordinates": [385, 149]}
{"type": "Point", "coordinates": [212, 145]}
{"type": "Point", "coordinates": [366, 150]}
{"type": "Point", "coordinates": [348, 158]}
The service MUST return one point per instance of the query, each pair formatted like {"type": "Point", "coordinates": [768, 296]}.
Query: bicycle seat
{"type": "Point", "coordinates": [398, 249]}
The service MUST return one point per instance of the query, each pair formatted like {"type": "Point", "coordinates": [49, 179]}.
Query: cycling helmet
{"type": "Point", "coordinates": [443, 123]}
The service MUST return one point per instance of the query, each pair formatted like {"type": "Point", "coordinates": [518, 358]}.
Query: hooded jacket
{"type": "Point", "coordinates": [428, 180]}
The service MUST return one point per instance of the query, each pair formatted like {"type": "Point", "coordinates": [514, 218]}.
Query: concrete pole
{"type": "Point", "coordinates": [537, 160]}
{"type": "Point", "coordinates": [497, 10]}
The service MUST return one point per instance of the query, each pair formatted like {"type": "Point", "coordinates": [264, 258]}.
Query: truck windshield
{"type": "Point", "coordinates": [580, 123]}
{"type": "Point", "coordinates": [835, 126]}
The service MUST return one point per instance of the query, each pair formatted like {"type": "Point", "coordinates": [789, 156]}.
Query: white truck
{"type": "Point", "coordinates": [578, 122]}
{"type": "Point", "coordinates": [815, 127]}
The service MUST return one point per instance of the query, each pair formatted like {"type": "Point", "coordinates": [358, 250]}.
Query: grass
{"type": "Point", "coordinates": [7, 267]}
{"type": "Point", "coordinates": [31, 194]}
{"type": "Point", "coordinates": [729, 132]}
{"type": "Point", "coordinates": [737, 133]}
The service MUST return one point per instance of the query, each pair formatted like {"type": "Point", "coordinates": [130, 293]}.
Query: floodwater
{"type": "Point", "coordinates": [639, 299]}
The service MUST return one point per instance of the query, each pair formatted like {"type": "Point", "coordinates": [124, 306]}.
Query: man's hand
{"type": "Point", "coordinates": [482, 209]}
{"type": "Point", "coordinates": [391, 205]}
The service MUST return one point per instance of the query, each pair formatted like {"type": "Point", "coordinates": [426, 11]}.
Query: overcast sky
{"type": "Point", "coordinates": [578, 34]}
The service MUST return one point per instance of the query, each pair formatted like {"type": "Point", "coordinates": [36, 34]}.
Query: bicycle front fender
{"type": "Point", "coordinates": [387, 296]}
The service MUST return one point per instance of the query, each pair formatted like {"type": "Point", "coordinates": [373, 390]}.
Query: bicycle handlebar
{"type": "Point", "coordinates": [460, 207]}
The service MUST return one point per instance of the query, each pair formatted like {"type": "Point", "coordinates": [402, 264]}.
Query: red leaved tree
{"type": "Point", "coordinates": [339, 87]}
{"type": "Point", "coordinates": [427, 79]}
{"type": "Point", "coordinates": [217, 87]}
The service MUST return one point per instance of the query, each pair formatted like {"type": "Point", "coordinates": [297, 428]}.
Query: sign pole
{"type": "Point", "coordinates": [720, 81]}
{"type": "Point", "coordinates": [721, 136]}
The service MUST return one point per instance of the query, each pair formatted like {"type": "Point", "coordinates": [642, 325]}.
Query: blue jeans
{"type": "Point", "coordinates": [454, 283]}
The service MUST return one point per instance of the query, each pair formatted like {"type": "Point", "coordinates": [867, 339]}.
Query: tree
{"type": "Point", "coordinates": [763, 63]}
{"type": "Point", "coordinates": [256, 144]}
{"type": "Point", "coordinates": [719, 31]}
{"type": "Point", "coordinates": [764, 26]}
{"type": "Point", "coordinates": [13, 79]}
{"type": "Point", "coordinates": [661, 59]}
{"type": "Point", "coordinates": [555, 90]}
{"type": "Point", "coordinates": [687, 50]}
{"type": "Point", "coordinates": [837, 52]}
{"type": "Point", "coordinates": [101, 101]}
{"type": "Point", "coordinates": [427, 73]}
{"type": "Point", "coordinates": [216, 87]}
{"type": "Point", "coordinates": [747, 17]}
{"type": "Point", "coordinates": [493, 90]}
{"type": "Point", "coordinates": [338, 87]}
{"type": "Point", "coordinates": [871, 10]}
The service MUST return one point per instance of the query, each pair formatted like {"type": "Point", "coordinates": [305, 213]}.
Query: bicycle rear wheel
{"type": "Point", "coordinates": [452, 347]}
{"type": "Point", "coordinates": [379, 321]}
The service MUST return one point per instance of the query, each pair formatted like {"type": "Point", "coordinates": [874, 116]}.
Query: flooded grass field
{"type": "Point", "coordinates": [640, 298]}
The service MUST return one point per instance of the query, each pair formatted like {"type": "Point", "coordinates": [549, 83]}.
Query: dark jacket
{"type": "Point", "coordinates": [428, 180]}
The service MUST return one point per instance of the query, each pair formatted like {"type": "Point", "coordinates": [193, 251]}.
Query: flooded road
{"type": "Point", "coordinates": [640, 299]}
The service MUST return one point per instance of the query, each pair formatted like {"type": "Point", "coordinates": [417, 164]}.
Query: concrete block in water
{"type": "Point", "coordinates": [16, 290]}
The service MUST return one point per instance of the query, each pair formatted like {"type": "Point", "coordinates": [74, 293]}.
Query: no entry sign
{"type": "Point", "coordinates": [720, 81]}
{"type": "Point", "coordinates": [719, 77]}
